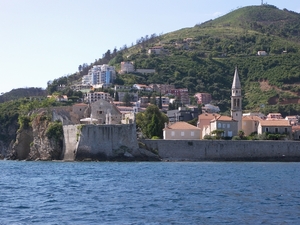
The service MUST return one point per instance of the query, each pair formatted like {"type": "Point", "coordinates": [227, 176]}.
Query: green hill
{"type": "Point", "coordinates": [202, 58]}
{"type": "Point", "coordinates": [22, 93]}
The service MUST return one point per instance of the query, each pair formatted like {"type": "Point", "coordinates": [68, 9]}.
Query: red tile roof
{"type": "Point", "coordinates": [223, 118]}
{"type": "Point", "coordinates": [182, 126]}
{"type": "Point", "coordinates": [275, 123]}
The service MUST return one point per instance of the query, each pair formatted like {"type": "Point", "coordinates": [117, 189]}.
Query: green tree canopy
{"type": "Point", "coordinates": [151, 122]}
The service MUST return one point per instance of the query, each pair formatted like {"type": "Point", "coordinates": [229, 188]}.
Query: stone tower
{"type": "Point", "coordinates": [236, 99]}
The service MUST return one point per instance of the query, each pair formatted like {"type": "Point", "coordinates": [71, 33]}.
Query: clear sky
{"type": "Point", "coordinates": [41, 40]}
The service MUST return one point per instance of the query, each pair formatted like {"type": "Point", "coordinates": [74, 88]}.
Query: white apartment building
{"type": "Point", "coordinates": [99, 74]}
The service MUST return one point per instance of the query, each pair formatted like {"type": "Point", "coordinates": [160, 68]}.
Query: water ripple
{"type": "Point", "coordinates": [149, 193]}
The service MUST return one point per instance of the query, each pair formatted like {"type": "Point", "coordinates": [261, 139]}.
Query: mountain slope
{"type": "Point", "coordinates": [203, 58]}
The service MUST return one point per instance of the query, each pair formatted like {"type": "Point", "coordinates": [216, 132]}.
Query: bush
{"type": "Point", "coordinates": [208, 137]}
{"type": "Point", "coordinates": [55, 130]}
{"type": "Point", "coordinates": [24, 122]}
{"type": "Point", "coordinates": [155, 138]}
{"type": "Point", "coordinates": [236, 138]}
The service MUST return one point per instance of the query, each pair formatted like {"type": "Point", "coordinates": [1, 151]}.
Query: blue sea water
{"type": "Point", "coordinates": [149, 193]}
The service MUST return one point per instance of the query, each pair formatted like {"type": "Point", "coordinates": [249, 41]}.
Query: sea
{"type": "Point", "coordinates": [149, 192]}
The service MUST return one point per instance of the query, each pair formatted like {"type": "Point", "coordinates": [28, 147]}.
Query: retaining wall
{"type": "Point", "coordinates": [215, 150]}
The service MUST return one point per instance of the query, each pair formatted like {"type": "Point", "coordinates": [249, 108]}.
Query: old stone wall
{"type": "Point", "coordinates": [99, 142]}
{"type": "Point", "coordinates": [215, 150]}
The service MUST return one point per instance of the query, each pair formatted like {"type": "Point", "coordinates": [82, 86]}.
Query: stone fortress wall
{"type": "Point", "coordinates": [218, 150]}
{"type": "Point", "coordinates": [102, 142]}
{"type": "Point", "coordinates": [108, 142]}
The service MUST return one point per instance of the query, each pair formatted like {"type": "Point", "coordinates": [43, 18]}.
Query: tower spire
{"type": "Point", "coordinates": [236, 99]}
{"type": "Point", "coordinates": [236, 80]}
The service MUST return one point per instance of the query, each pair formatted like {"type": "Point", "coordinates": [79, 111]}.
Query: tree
{"type": "Point", "coordinates": [241, 134]}
{"type": "Point", "coordinates": [126, 99]}
{"type": "Point", "coordinates": [145, 121]}
{"type": "Point", "coordinates": [153, 128]}
{"type": "Point", "coordinates": [160, 101]}
{"type": "Point", "coordinates": [218, 133]}
{"type": "Point", "coordinates": [153, 99]}
{"type": "Point", "coordinates": [116, 96]}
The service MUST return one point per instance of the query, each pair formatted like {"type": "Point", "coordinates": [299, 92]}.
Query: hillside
{"type": "Point", "coordinates": [202, 58]}
{"type": "Point", "coordinates": [22, 93]}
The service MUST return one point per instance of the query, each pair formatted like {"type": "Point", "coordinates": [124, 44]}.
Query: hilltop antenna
{"type": "Point", "coordinates": [262, 2]}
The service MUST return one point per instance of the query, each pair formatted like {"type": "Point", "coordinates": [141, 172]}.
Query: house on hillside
{"type": "Point", "coordinates": [156, 50]}
{"type": "Point", "coordinates": [182, 95]}
{"type": "Point", "coordinates": [274, 116]}
{"type": "Point", "coordinates": [182, 114]}
{"type": "Point", "coordinates": [126, 67]}
{"type": "Point", "coordinates": [262, 53]}
{"type": "Point", "coordinates": [181, 131]}
{"type": "Point", "coordinates": [95, 96]}
{"type": "Point", "coordinates": [203, 98]}
{"type": "Point", "coordinates": [141, 87]}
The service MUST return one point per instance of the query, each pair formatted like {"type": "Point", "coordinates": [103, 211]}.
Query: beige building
{"type": "Point", "coordinates": [250, 124]}
{"type": "Point", "coordinates": [162, 88]}
{"type": "Point", "coordinates": [296, 132]}
{"type": "Point", "coordinates": [104, 112]}
{"type": "Point", "coordinates": [126, 67]}
{"type": "Point", "coordinates": [225, 123]}
{"type": "Point", "coordinates": [275, 126]}
{"type": "Point", "coordinates": [156, 50]}
{"type": "Point", "coordinates": [78, 110]}
{"type": "Point", "coordinates": [204, 122]}
{"type": "Point", "coordinates": [181, 131]}
{"type": "Point", "coordinates": [95, 96]}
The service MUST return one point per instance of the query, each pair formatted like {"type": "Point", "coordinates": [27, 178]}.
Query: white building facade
{"type": "Point", "coordinates": [100, 74]}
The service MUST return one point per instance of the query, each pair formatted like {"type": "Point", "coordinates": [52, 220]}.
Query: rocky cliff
{"type": "Point", "coordinates": [6, 138]}
{"type": "Point", "coordinates": [42, 140]}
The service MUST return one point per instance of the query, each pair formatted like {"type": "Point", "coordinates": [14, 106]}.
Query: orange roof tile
{"type": "Point", "coordinates": [223, 118]}
{"type": "Point", "coordinates": [208, 116]}
{"type": "Point", "coordinates": [275, 123]}
{"type": "Point", "coordinates": [254, 118]}
{"type": "Point", "coordinates": [182, 126]}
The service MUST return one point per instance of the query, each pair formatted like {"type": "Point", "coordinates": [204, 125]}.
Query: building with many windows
{"type": "Point", "coordinates": [100, 75]}
{"type": "Point", "coordinates": [182, 95]}
{"type": "Point", "coordinates": [203, 98]}
{"type": "Point", "coordinates": [182, 131]}
{"type": "Point", "coordinates": [95, 96]}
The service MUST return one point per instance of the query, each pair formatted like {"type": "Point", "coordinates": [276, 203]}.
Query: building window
{"type": "Point", "coordinates": [192, 133]}
{"type": "Point", "coordinates": [276, 130]}
{"type": "Point", "coordinates": [224, 125]}
{"type": "Point", "coordinates": [228, 125]}
{"type": "Point", "coordinates": [219, 125]}
{"type": "Point", "coordinates": [285, 130]}
{"type": "Point", "coordinates": [173, 133]}
{"type": "Point", "coordinates": [182, 133]}
{"type": "Point", "coordinates": [267, 129]}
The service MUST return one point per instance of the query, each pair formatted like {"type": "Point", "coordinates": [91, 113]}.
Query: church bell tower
{"type": "Point", "coordinates": [236, 99]}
